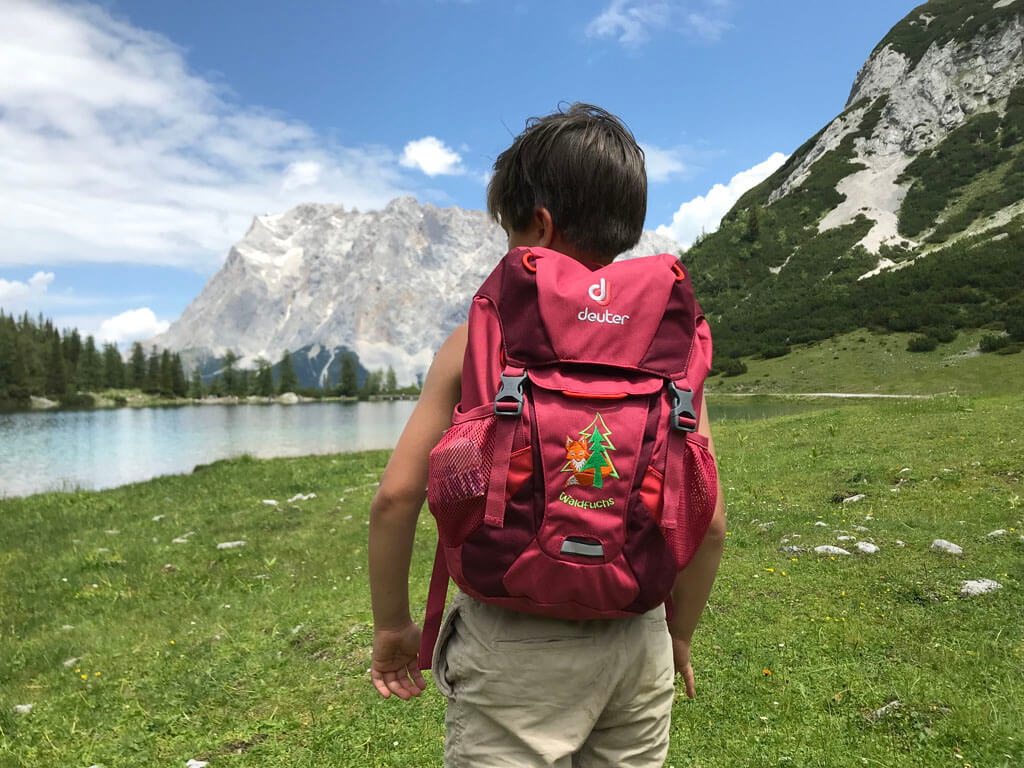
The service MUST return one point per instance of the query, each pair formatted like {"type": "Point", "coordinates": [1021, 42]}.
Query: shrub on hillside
{"type": "Point", "coordinates": [991, 342]}
{"type": "Point", "coordinates": [774, 350]}
{"type": "Point", "coordinates": [1015, 324]}
{"type": "Point", "coordinates": [1010, 349]}
{"type": "Point", "coordinates": [922, 344]}
{"type": "Point", "coordinates": [733, 367]}
{"type": "Point", "coordinates": [943, 334]}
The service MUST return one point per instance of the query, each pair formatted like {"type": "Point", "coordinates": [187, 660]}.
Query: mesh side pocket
{"type": "Point", "coordinates": [697, 505]}
{"type": "Point", "coordinates": [460, 468]}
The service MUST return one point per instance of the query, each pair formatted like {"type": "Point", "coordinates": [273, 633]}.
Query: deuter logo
{"type": "Point", "coordinates": [600, 293]}
{"type": "Point", "coordinates": [591, 316]}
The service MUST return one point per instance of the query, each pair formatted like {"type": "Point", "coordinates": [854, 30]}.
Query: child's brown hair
{"type": "Point", "coordinates": [586, 168]}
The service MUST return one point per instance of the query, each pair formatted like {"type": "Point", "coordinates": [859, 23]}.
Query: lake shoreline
{"type": "Point", "coordinates": [97, 401]}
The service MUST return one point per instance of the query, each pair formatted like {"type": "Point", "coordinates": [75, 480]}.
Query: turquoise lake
{"type": "Point", "coordinates": [93, 449]}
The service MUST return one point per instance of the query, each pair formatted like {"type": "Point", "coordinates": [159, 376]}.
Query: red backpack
{"type": "Point", "coordinates": [572, 482]}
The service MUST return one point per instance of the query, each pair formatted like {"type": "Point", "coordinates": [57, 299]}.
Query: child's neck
{"type": "Point", "coordinates": [559, 244]}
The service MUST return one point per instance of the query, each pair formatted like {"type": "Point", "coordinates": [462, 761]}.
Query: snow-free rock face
{"type": "Point", "coordinates": [389, 284]}
{"type": "Point", "coordinates": [922, 100]}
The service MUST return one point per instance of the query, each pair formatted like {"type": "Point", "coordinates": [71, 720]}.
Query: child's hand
{"type": "Point", "coordinates": [681, 657]}
{"type": "Point", "coordinates": [394, 667]}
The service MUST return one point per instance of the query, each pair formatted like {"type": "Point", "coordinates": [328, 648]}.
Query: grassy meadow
{"type": "Point", "coordinates": [862, 361]}
{"type": "Point", "coordinates": [134, 650]}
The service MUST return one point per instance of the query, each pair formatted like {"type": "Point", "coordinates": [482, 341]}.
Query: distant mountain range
{"type": "Point", "coordinates": [904, 213]}
{"type": "Point", "coordinates": [389, 285]}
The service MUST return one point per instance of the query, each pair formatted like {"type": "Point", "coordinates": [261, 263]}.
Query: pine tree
{"type": "Point", "coordinates": [390, 381]}
{"type": "Point", "coordinates": [753, 225]}
{"type": "Point", "coordinates": [72, 345]}
{"type": "Point", "coordinates": [264, 378]}
{"type": "Point", "coordinates": [113, 367]}
{"type": "Point", "coordinates": [6, 359]}
{"type": "Point", "coordinates": [136, 370]}
{"type": "Point", "coordinates": [20, 372]}
{"type": "Point", "coordinates": [599, 446]}
{"type": "Point", "coordinates": [371, 384]}
{"type": "Point", "coordinates": [348, 380]}
{"type": "Point", "coordinates": [287, 380]}
{"type": "Point", "coordinates": [151, 382]}
{"type": "Point", "coordinates": [195, 390]}
{"type": "Point", "coordinates": [242, 384]}
{"type": "Point", "coordinates": [56, 372]}
{"type": "Point", "coordinates": [178, 383]}
{"type": "Point", "coordinates": [166, 374]}
{"type": "Point", "coordinates": [90, 367]}
{"type": "Point", "coordinates": [228, 375]}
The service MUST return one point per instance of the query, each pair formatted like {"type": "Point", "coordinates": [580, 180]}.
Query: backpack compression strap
{"type": "Point", "coordinates": [683, 419]}
{"type": "Point", "coordinates": [508, 405]}
{"type": "Point", "coordinates": [436, 598]}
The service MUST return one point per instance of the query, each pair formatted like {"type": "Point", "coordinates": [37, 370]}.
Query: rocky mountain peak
{"type": "Point", "coordinates": [389, 284]}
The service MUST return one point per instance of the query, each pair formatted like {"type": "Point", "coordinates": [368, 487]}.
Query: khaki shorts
{"type": "Point", "coordinates": [531, 691]}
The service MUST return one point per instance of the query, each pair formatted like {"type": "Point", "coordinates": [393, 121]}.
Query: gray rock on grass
{"type": "Point", "coordinates": [866, 547]}
{"type": "Point", "coordinates": [22, 709]}
{"type": "Point", "coordinates": [828, 549]}
{"type": "Point", "coordinates": [855, 497]}
{"type": "Point", "coordinates": [230, 544]}
{"type": "Point", "coordinates": [941, 545]}
{"type": "Point", "coordinates": [889, 708]}
{"type": "Point", "coordinates": [999, 532]}
{"type": "Point", "coordinates": [976, 587]}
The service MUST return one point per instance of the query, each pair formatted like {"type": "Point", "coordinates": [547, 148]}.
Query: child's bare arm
{"type": "Point", "coordinates": [393, 516]}
{"type": "Point", "coordinates": [693, 585]}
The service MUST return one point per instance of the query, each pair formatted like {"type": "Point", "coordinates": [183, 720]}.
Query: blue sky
{"type": "Point", "coordinates": [138, 139]}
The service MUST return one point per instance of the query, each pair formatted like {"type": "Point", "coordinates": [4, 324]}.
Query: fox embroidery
{"type": "Point", "coordinates": [576, 455]}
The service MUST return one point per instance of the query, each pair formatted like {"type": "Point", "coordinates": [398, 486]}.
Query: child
{"type": "Point", "coordinates": [522, 689]}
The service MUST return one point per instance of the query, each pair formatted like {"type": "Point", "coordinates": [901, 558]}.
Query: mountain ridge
{"type": "Point", "coordinates": [390, 285]}
{"type": "Point", "coordinates": [925, 160]}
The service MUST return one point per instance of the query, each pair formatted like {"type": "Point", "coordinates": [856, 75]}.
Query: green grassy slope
{"type": "Point", "coordinates": [864, 362]}
{"type": "Point", "coordinates": [257, 656]}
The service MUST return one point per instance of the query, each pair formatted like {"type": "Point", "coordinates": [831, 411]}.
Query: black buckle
{"type": "Point", "coordinates": [684, 417]}
{"type": "Point", "coordinates": [509, 400]}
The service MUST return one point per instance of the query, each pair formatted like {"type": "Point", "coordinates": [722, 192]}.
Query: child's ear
{"type": "Point", "coordinates": [543, 226]}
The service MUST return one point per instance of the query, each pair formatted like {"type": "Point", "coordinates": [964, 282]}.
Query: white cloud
{"type": "Point", "coordinates": [431, 156]}
{"type": "Point", "coordinates": [704, 212]}
{"type": "Point", "coordinates": [629, 21]}
{"type": "Point", "coordinates": [112, 150]}
{"type": "Point", "coordinates": [662, 163]}
{"type": "Point", "coordinates": [301, 174]}
{"type": "Point", "coordinates": [131, 326]}
{"type": "Point", "coordinates": [633, 22]}
{"type": "Point", "coordinates": [17, 296]}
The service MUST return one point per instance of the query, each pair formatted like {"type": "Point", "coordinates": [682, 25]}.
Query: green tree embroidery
{"type": "Point", "coordinates": [597, 435]}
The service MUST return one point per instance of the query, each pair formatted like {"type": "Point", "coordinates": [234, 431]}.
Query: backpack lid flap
{"type": "Point", "coordinates": [638, 314]}
{"type": "Point", "coordinates": [596, 383]}
{"type": "Point", "coordinates": [607, 315]}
